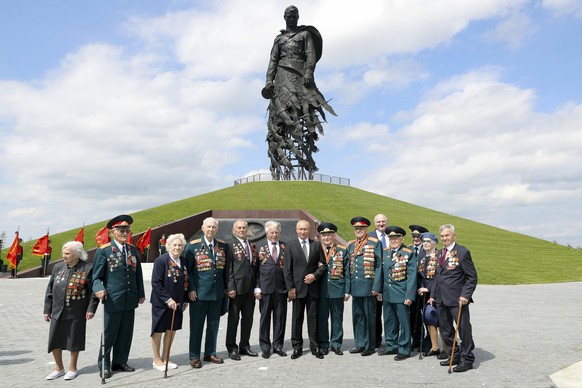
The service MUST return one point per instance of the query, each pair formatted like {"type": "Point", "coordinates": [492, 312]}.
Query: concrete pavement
{"type": "Point", "coordinates": [523, 334]}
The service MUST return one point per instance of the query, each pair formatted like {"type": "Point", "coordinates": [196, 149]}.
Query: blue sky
{"type": "Point", "coordinates": [468, 107]}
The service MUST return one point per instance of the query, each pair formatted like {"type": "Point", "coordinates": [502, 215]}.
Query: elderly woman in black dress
{"type": "Point", "coordinates": [69, 302]}
{"type": "Point", "coordinates": [169, 292]}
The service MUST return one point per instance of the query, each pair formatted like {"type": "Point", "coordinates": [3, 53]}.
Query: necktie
{"type": "Point", "coordinates": [305, 250]}
{"type": "Point", "coordinates": [274, 252]}
{"type": "Point", "coordinates": [443, 257]}
{"type": "Point", "coordinates": [383, 240]}
{"type": "Point", "coordinates": [211, 250]}
{"type": "Point", "coordinates": [248, 248]}
{"type": "Point", "coordinates": [415, 251]}
{"type": "Point", "coordinates": [125, 258]}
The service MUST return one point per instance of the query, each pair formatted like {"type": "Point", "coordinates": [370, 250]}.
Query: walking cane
{"type": "Point", "coordinates": [171, 340]}
{"type": "Point", "coordinates": [455, 339]}
{"type": "Point", "coordinates": [103, 346]}
{"type": "Point", "coordinates": [421, 326]}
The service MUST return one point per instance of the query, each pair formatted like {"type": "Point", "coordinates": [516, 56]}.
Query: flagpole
{"type": "Point", "coordinates": [16, 266]}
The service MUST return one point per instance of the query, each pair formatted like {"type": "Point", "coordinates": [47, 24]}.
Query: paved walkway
{"type": "Point", "coordinates": [523, 334]}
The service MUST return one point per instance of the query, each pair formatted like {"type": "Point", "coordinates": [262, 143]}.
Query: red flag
{"type": "Point", "coordinates": [102, 236]}
{"type": "Point", "coordinates": [41, 246]}
{"type": "Point", "coordinates": [81, 236]}
{"type": "Point", "coordinates": [144, 240]}
{"type": "Point", "coordinates": [12, 255]}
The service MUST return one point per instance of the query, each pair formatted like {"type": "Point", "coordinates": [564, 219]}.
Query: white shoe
{"type": "Point", "coordinates": [161, 368]}
{"type": "Point", "coordinates": [55, 374]}
{"type": "Point", "coordinates": [171, 365]}
{"type": "Point", "coordinates": [70, 375]}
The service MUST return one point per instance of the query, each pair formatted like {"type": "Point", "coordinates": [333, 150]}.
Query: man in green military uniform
{"type": "Point", "coordinates": [333, 291]}
{"type": "Point", "coordinates": [207, 260]}
{"type": "Point", "coordinates": [398, 288]}
{"type": "Point", "coordinates": [118, 281]}
{"type": "Point", "coordinates": [365, 254]}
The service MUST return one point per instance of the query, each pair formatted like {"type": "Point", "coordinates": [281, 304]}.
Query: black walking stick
{"type": "Point", "coordinates": [171, 340]}
{"type": "Point", "coordinates": [103, 345]}
{"type": "Point", "coordinates": [421, 325]}
{"type": "Point", "coordinates": [455, 339]}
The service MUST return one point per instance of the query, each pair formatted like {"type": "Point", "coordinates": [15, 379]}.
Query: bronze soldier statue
{"type": "Point", "coordinates": [296, 105]}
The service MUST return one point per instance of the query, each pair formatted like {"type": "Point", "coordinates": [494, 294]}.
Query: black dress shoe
{"type": "Point", "coordinates": [447, 362]}
{"type": "Point", "coordinates": [234, 355]}
{"type": "Point", "coordinates": [462, 367]}
{"type": "Point", "coordinates": [386, 352]}
{"type": "Point", "coordinates": [280, 352]}
{"type": "Point", "coordinates": [122, 368]}
{"type": "Point", "coordinates": [430, 353]}
{"type": "Point", "coordinates": [400, 357]}
{"type": "Point", "coordinates": [443, 355]}
{"type": "Point", "coordinates": [248, 352]}
{"type": "Point", "coordinates": [357, 349]}
{"type": "Point", "coordinates": [296, 354]}
{"type": "Point", "coordinates": [325, 351]}
{"type": "Point", "coordinates": [266, 354]}
{"type": "Point", "coordinates": [107, 373]}
{"type": "Point", "coordinates": [317, 354]}
{"type": "Point", "coordinates": [368, 352]}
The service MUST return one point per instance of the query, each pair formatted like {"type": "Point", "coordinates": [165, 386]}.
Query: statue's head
{"type": "Point", "coordinates": [291, 14]}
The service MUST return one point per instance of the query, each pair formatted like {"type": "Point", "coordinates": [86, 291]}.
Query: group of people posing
{"type": "Point", "coordinates": [413, 287]}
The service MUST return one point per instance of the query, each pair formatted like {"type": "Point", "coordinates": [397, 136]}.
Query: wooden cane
{"type": "Point", "coordinates": [171, 340]}
{"type": "Point", "coordinates": [421, 326]}
{"type": "Point", "coordinates": [103, 345]}
{"type": "Point", "coordinates": [455, 338]}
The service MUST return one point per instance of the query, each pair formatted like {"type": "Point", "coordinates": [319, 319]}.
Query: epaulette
{"type": "Point", "coordinates": [341, 246]}
{"type": "Point", "coordinates": [407, 250]}
{"type": "Point", "coordinates": [198, 240]}
{"type": "Point", "coordinates": [351, 241]}
{"type": "Point", "coordinates": [105, 245]}
{"type": "Point", "coordinates": [220, 241]}
{"type": "Point", "coordinates": [131, 245]}
{"type": "Point", "coordinates": [372, 239]}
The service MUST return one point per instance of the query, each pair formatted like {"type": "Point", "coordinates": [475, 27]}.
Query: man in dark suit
{"type": "Point", "coordinates": [118, 280]}
{"type": "Point", "coordinates": [271, 290]}
{"type": "Point", "coordinates": [333, 291]}
{"type": "Point", "coordinates": [365, 253]}
{"type": "Point", "coordinates": [452, 289]}
{"type": "Point", "coordinates": [304, 266]}
{"type": "Point", "coordinates": [241, 282]}
{"type": "Point", "coordinates": [381, 223]}
{"type": "Point", "coordinates": [208, 260]}
{"type": "Point", "coordinates": [415, 307]}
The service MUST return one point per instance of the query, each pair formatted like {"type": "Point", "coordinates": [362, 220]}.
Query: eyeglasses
{"type": "Point", "coordinates": [123, 229]}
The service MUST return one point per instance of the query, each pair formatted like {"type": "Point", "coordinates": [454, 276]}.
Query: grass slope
{"type": "Point", "coordinates": [501, 257]}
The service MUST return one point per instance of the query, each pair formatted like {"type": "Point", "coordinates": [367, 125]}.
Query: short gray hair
{"type": "Point", "coordinates": [447, 226]}
{"type": "Point", "coordinates": [272, 224]}
{"type": "Point", "coordinates": [177, 236]}
{"type": "Point", "coordinates": [77, 248]}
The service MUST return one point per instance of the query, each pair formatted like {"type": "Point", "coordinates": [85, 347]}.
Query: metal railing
{"type": "Point", "coordinates": [263, 177]}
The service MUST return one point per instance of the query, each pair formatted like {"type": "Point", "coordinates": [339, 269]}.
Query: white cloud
{"type": "Point", "coordinates": [564, 7]}
{"type": "Point", "coordinates": [477, 148]}
{"type": "Point", "coordinates": [513, 30]}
